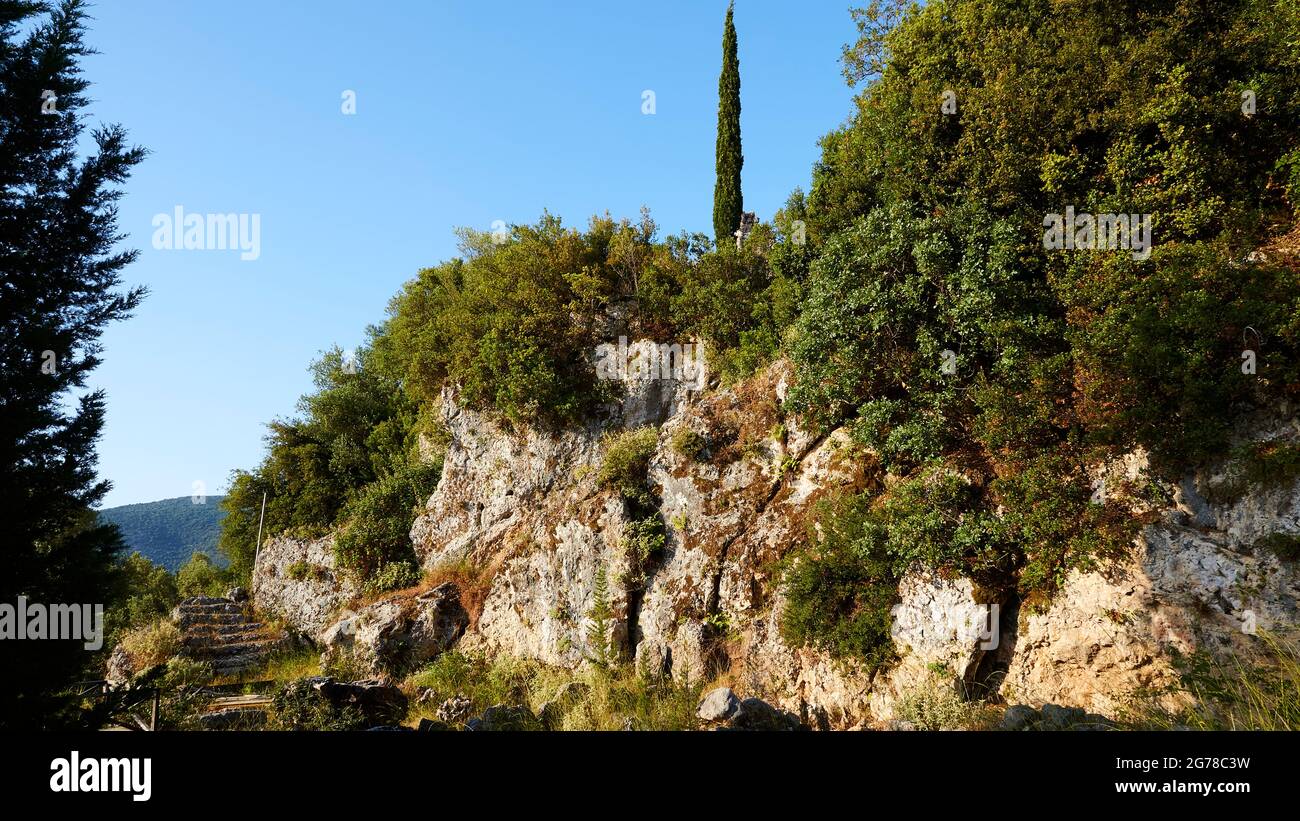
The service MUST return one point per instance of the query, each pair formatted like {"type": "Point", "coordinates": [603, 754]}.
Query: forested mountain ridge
{"type": "Point", "coordinates": [167, 532]}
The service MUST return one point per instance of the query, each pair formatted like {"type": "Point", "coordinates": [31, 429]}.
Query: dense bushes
{"type": "Point", "coordinates": [143, 593]}
{"type": "Point", "coordinates": [350, 461]}
{"type": "Point", "coordinates": [840, 592]}
{"type": "Point", "coordinates": [513, 325]}
{"type": "Point", "coordinates": [514, 322]}
{"type": "Point", "coordinates": [940, 329]}
{"type": "Point", "coordinates": [374, 539]}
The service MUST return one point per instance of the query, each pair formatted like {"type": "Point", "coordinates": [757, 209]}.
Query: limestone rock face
{"type": "Point", "coordinates": [523, 508]}
{"type": "Point", "coordinates": [526, 505]}
{"type": "Point", "coordinates": [1181, 588]}
{"type": "Point", "coordinates": [297, 581]}
{"type": "Point", "coordinates": [1201, 577]}
{"type": "Point", "coordinates": [939, 629]}
{"type": "Point", "coordinates": [400, 631]}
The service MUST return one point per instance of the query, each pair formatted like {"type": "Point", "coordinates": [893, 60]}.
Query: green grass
{"type": "Point", "coordinates": [615, 700]}
{"type": "Point", "coordinates": [937, 704]}
{"type": "Point", "coordinates": [1255, 690]}
{"type": "Point", "coordinates": [281, 667]}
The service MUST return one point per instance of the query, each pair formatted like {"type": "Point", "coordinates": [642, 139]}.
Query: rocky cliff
{"type": "Point", "coordinates": [521, 522]}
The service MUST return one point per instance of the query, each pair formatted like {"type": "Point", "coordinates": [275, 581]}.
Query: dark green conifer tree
{"type": "Point", "coordinates": [59, 288]}
{"type": "Point", "coordinates": [727, 200]}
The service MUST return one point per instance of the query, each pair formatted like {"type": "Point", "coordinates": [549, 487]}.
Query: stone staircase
{"type": "Point", "coordinates": [221, 632]}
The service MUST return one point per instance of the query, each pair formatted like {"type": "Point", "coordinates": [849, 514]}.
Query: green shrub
{"type": "Point", "coordinates": [393, 576]}
{"type": "Point", "coordinates": [513, 323]}
{"type": "Point", "coordinates": [627, 462]}
{"type": "Point", "coordinates": [841, 590]}
{"type": "Point", "coordinates": [201, 577]}
{"type": "Point", "coordinates": [358, 426]}
{"type": "Point", "coordinates": [144, 593]}
{"type": "Point", "coordinates": [375, 533]}
{"type": "Point", "coordinates": [152, 644]}
{"type": "Point", "coordinates": [643, 539]}
{"type": "Point", "coordinates": [689, 444]}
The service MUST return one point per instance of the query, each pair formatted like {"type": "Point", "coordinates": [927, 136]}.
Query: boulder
{"type": "Point", "coordinates": [756, 714]}
{"type": "Point", "coordinates": [1052, 717]}
{"type": "Point", "coordinates": [119, 668]}
{"type": "Point", "coordinates": [718, 705]}
{"type": "Point", "coordinates": [400, 632]}
{"type": "Point", "coordinates": [378, 703]}
{"type": "Point", "coordinates": [455, 710]}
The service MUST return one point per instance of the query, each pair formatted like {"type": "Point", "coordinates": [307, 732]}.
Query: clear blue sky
{"type": "Point", "coordinates": [467, 112]}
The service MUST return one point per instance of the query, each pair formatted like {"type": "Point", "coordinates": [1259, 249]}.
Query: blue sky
{"type": "Point", "coordinates": [466, 113]}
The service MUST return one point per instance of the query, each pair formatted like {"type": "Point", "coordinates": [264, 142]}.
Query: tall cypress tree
{"type": "Point", "coordinates": [59, 287]}
{"type": "Point", "coordinates": [727, 201]}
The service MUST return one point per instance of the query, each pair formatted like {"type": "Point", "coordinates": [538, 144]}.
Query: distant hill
{"type": "Point", "coordinates": [169, 531]}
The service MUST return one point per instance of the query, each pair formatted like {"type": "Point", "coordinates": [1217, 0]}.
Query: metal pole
{"type": "Point", "coordinates": [258, 547]}
{"type": "Point", "coordinates": [153, 716]}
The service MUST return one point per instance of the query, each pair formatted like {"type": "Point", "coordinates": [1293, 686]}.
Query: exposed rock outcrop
{"type": "Point", "coordinates": [400, 631]}
{"type": "Point", "coordinates": [297, 581]}
{"type": "Point", "coordinates": [1196, 579]}
{"type": "Point", "coordinates": [375, 703]}
{"type": "Point", "coordinates": [119, 669]}
{"type": "Point", "coordinates": [524, 511]}
{"type": "Point", "coordinates": [525, 507]}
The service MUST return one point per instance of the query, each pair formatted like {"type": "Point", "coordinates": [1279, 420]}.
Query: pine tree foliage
{"type": "Point", "coordinates": [60, 272]}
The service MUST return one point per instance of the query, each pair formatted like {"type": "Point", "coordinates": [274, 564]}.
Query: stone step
{"type": "Point", "coordinates": [233, 647]}
{"type": "Point", "coordinates": [203, 609]}
{"type": "Point", "coordinates": [234, 665]}
{"type": "Point", "coordinates": [221, 631]}
{"type": "Point", "coordinates": [200, 619]}
{"type": "Point", "coordinates": [205, 600]}
{"type": "Point", "coordinates": [219, 651]}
